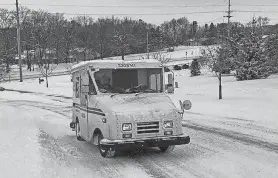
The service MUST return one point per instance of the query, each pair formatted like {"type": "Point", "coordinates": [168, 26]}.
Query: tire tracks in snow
{"type": "Point", "coordinates": [67, 148]}
{"type": "Point", "coordinates": [58, 109]}
{"type": "Point", "coordinates": [67, 151]}
{"type": "Point", "coordinates": [241, 137]}
{"type": "Point", "coordinates": [180, 163]}
{"type": "Point", "coordinates": [39, 94]}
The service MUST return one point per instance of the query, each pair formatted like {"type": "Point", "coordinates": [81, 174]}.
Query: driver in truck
{"type": "Point", "coordinates": [104, 84]}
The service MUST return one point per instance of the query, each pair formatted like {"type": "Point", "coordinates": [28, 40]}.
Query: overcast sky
{"type": "Point", "coordinates": [153, 8]}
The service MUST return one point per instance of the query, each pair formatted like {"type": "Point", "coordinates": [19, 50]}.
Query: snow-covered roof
{"type": "Point", "coordinates": [118, 64]}
{"type": "Point", "coordinates": [264, 36]}
{"type": "Point", "coordinates": [22, 56]}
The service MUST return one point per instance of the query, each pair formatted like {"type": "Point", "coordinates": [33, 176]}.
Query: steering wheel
{"type": "Point", "coordinates": [134, 89]}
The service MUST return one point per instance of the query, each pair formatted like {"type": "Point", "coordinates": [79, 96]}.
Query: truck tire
{"type": "Point", "coordinates": [78, 131]}
{"type": "Point", "coordinates": [105, 152]}
{"type": "Point", "coordinates": [166, 149]}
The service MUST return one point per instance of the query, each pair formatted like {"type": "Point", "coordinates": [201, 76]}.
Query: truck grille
{"type": "Point", "coordinates": [147, 127]}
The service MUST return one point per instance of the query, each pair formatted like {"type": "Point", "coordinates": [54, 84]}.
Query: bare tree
{"type": "Point", "coordinates": [2, 72]}
{"type": "Point", "coordinates": [7, 30]}
{"type": "Point", "coordinates": [42, 33]}
{"type": "Point", "coordinates": [215, 56]}
{"type": "Point", "coordinates": [85, 35]}
{"type": "Point", "coordinates": [260, 23]}
{"type": "Point", "coordinates": [68, 39]}
{"type": "Point", "coordinates": [103, 30]}
{"type": "Point", "coordinates": [68, 66]}
{"type": "Point", "coordinates": [162, 57]}
{"type": "Point", "coordinates": [124, 37]}
{"type": "Point", "coordinates": [47, 69]}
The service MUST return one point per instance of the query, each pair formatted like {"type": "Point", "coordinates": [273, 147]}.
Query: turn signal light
{"type": "Point", "coordinates": [127, 135]}
{"type": "Point", "coordinates": [168, 133]}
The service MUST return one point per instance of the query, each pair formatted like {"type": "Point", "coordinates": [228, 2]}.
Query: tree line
{"type": "Point", "coordinates": [103, 37]}
{"type": "Point", "coordinates": [53, 35]}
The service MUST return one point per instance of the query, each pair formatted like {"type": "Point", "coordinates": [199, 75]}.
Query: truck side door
{"type": "Point", "coordinates": [83, 120]}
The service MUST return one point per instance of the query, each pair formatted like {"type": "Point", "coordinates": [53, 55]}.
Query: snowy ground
{"type": "Point", "coordinates": [177, 57]}
{"type": "Point", "coordinates": [234, 137]}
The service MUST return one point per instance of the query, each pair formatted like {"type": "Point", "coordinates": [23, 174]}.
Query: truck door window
{"type": "Point", "coordinates": [84, 82]}
{"type": "Point", "coordinates": [77, 87]}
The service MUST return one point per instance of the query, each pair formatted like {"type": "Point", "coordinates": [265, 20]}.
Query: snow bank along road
{"type": "Point", "coordinates": [36, 142]}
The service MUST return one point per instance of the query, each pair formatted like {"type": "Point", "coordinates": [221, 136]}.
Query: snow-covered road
{"type": "Point", "coordinates": [36, 142]}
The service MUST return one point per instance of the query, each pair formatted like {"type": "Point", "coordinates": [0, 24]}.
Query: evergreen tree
{"type": "Point", "coordinates": [195, 68]}
{"type": "Point", "coordinates": [249, 51]}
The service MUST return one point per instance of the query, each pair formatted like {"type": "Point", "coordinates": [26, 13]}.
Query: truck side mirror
{"type": "Point", "coordinates": [176, 85]}
{"type": "Point", "coordinates": [185, 105]}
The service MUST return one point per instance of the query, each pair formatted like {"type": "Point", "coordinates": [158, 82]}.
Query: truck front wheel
{"type": "Point", "coordinates": [105, 152]}
{"type": "Point", "coordinates": [166, 149]}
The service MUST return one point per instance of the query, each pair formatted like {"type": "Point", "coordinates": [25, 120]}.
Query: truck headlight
{"type": "Point", "coordinates": [168, 124]}
{"type": "Point", "coordinates": [127, 127]}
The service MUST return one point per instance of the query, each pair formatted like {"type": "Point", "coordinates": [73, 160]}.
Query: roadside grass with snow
{"type": "Point", "coordinates": [248, 107]}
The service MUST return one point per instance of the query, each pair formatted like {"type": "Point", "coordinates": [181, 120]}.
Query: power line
{"type": "Point", "coordinates": [121, 6]}
{"type": "Point", "coordinates": [256, 5]}
{"type": "Point", "coordinates": [6, 4]}
{"type": "Point", "coordinates": [139, 14]}
{"type": "Point", "coordinates": [117, 6]}
{"type": "Point", "coordinates": [218, 18]}
{"type": "Point", "coordinates": [155, 6]}
{"type": "Point", "coordinates": [151, 6]}
{"type": "Point", "coordinates": [256, 11]}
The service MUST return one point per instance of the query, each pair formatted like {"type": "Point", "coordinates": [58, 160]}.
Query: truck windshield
{"type": "Point", "coordinates": [129, 80]}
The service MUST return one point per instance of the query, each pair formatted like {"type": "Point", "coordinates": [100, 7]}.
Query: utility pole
{"type": "Point", "coordinates": [221, 57]}
{"type": "Point", "coordinates": [18, 42]}
{"type": "Point", "coordinates": [229, 16]}
{"type": "Point", "coordinates": [148, 43]}
{"type": "Point", "coordinates": [253, 24]}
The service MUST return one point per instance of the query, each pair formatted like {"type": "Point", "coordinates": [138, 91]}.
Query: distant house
{"type": "Point", "coordinates": [81, 54]}
{"type": "Point", "coordinates": [23, 59]}
{"type": "Point", "coordinates": [192, 42]}
{"type": "Point", "coordinates": [41, 56]}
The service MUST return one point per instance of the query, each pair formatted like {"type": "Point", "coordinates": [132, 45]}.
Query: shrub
{"type": "Point", "coordinates": [171, 49]}
{"type": "Point", "coordinates": [252, 71]}
{"type": "Point", "coordinates": [195, 68]}
{"type": "Point", "coordinates": [185, 66]}
{"type": "Point", "coordinates": [176, 67]}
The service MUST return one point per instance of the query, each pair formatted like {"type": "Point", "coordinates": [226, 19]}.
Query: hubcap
{"type": "Point", "coordinates": [102, 150]}
{"type": "Point", "coordinates": [100, 147]}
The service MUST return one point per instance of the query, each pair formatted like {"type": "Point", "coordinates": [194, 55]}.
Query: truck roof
{"type": "Point", "coordinates": [117, 64]}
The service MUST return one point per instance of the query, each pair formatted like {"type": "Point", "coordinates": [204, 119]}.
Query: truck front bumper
{"type": "Point", "coordinates": [149, 142]}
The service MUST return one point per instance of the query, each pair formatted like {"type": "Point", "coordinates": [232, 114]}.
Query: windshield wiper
{"type": "Point", "coordinates": [146, 91]}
